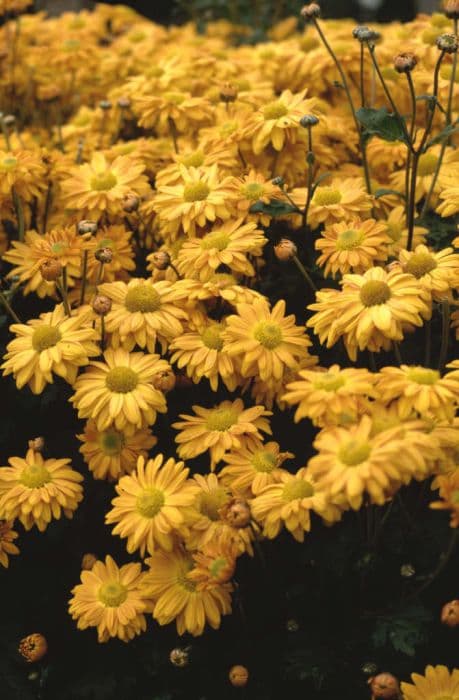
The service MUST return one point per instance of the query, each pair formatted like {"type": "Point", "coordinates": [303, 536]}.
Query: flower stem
{"type": "Point", "coordinates": [445, 310]}
{"type": "Point", "coordinates": [310, 161]}
{"type": "Point", "coordinates": [442, 562]}
{"type": "Point", "coordinates": [6, 134]}
{"type": "Point", "coordinates": [9, 308]}
{"type": "Point", "coordinates": [398, 354]}
{"type": "Point", "coordinates": [305, 273]}
{"type": "Point", "coordinates": [449, 108]}
{"type": "Point", "coordinates": [172, 266]}
{"type": "Point", "coordinates": [60, 284]}
{"type": "Point", "coordinates": [362, 74]}
{"type": "Point", "coordinates": [19, 214]}
{"type": "Point", "coordinates": [428, 346]}
{"type": "Point", "coordinates": [173, 133]}
{"type": "Point", "coordinates": [83, 277]}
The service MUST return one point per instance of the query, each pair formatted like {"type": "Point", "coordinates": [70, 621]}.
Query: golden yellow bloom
{"type": "Point", "coordinates": [178, 598]}
{"type": "Point", "coordinates": [438, 683]}
{"type": "Point", "coordinates": [97, 187]}
{"type": "Point", "coordinates": [54, 343]}
{"type": "Point", "coordinates": [220, 285]}
{"type": "Point", "coordinates": [118, 239]}
{"type": "Point", "coordinates": [331, 396]}
{"type": "Point", "coordinates": [21, 171]}
{"type": "Point", "coordinates": [227, 244]}
{"type": "Point", "coordinates": [7, 6]}
{"type": "Point", "coordinates": [187, 113]}
{"type": "Point", "coordinates": [143, 312]}
{"type": "Point", "coordinates": [264, 341]}
{"type": "Point", "coordinates": [219, 429]}
{"type": "Point", "coordinates": [110, 453]}
{"type": "Point", "coordinates": [290, 503]}
{"type": "Point", "coordinates": [252, 188]}
{"type": "Point", "coordinates": [7, 537]}
{"type": "Point", "coordinates": [113, 599]}
{"type": "Point", "coordinates": [151, 503]}
{"type": "Point", "coordinates": [214, 565]}
{"type": "Point", "coordinates": [428, 163]}
{"type": "Point", "coordinates": [202, 353]}
{"type": "Point", "coordinates": [341, 200]}
{"type": "Point", "coordinates": [437, 272]}
{"type": "Point", "coordinates": [354, 246]}
{"type": "Point", "coordinates": [249, 469]}
{"type": "Point", "coordinates": [36, 490]}
{"type": "Point", "coordinates": [420, 389]}
{"type": "Point", "coordinates": [449, 495]}
{"type": "Point", "coordinates": [119, 391]}
{"type": "Point", "coordinates": [397, 230]}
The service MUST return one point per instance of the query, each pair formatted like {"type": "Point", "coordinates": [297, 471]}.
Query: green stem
{"type": "Point", "coordinates": [446, 310]}
{"type": "Point", "coordinates": [305, 273]}
{"type": "Point", "coordinates": [428, 347]}
{"type": "Point", "coordinates": [102, 333]}
{"type": "Point", "coordinates": [61, 287]}
{"type": "Point", "coordinates": [99, 273]}
{"type": "Point", "coordinates": [449, 108]}
{"type": "Point", "coordinates": [397, 353]}
{"type": "Point", "coordinates": [362, 75]}
{"type": "Point", "coordinates": [443, 561]}
{"type": "Point", "coordinates": [172, 266]}
{"type": "Point", "coordinates": [310, 162]}
{"type": "Point", "coordinates": [9, 308]}
{"type": "Point", "coordinates": [49, 194]}
{"type": "Point", "coordinates": [83, 277]}
{"type": "Point", "coordinates": [19, 214]}
{"type": "Point", "coordinates": [173, 133]}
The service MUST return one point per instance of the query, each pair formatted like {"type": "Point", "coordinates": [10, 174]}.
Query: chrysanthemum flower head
{"type": "Point", "coordinates": [448, 485]}
{"type": "Point", "coordinates": [7, 546]}
{"type": "Point", "coordinates": [352, 247]}
{"type": "Point", "coordinates": [436, 683]}
{"type": "Point", "coordinates": [437, 272]}
{"type": "Point", "coordinates": [339, 200]}
{"type": "Point", "coordinates": [22, 171]}
{"type": "Point", "coordinates": [249, 469]}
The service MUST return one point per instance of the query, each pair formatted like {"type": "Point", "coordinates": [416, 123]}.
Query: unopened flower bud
{"type": "Point", "coordinates": [164, 381]}
{"type": "Point", "coordinates": [37, 444]}
{"type": "Point", "coordinates": [228, 93]}
{"type": "Point", "coordinates": [105, 105]}
{"type": "Point", "coordinates": [450, 613]}
{"type": "Point", "coordinates": [179, 657]}
{"type": "Point", "coordinates": [124, 103]}
{"type": "Point", "coordinates": [405, 62]}
{"type": "Point", "coordinates": [384, 686]}
{"type": "Point", "coordinates": [104, 255]}
{"type": "Point", "coordinates": [131, 203]}
{"type": "Point", "coordinates": [407, 570]}
{"type": "Point", "coordinates": [236, 513]}
{"type": "Point", "coordinates": [452, 9]}
{"type": "Point", "coordinates": [310, 12]}
{"type": "Point", "coordinates": [447, 43]}
{"type": "Point", "coordinates": [161, 260]}
{"type": "Point", "coordinates": [33, 647]}
{"type": "Point", "coordinates": [238, 676]}
{"type": "Point", "coordinates": [9, 120]}
{"type": "Point", "coordinates": [88, 560]}
{"type": "Point", "coordinates": [309, 120]}
{"type": "Point", "coordinates": [278, 181]}
{"type": "Point", "coordinates": [292, 625]}
{"type": "Point", "coordinates": [51, 270]}
{"type": "Point", "coordinates": [101, 305]}
{"type": "Point", "coordinates": [285, 250]}
{"type": "Point", "coordinates": [183, 382]}
{"type": "Point", "coordinates": [394, 265]}
{"type": "Point", "coordinates": [86, 226]}
{"type": "Point", "coordinates": [369, 668]}
{"type": "Point", "coordinates": [364, 34]}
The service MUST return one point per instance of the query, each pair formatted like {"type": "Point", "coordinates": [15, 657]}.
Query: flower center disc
{"type": "Point", "coordinates": [375, 292]}
{"type": "Point", "coordinates": [143, 298]}
{"type": "Point", "coordinates": [112, 442]}
{"type": "Point", "coordinates": [347, 240]}
{"type": "Point", "coordinates": [326, 196]}
{"type": "Point", "coordinates": [121, 380]}
{"type": "Point", "coordinates": [217, 239]}
{"type": "Point", "coordinates": [275, 110]}
{"type": "Point", "coordinates": [194, 160]}
{"type": "Point", "coordinates": [196, 192]}
{"type": "Point", "coordinates": [427, 164]}
{"type": "Point", "coordinates": [420, 264]}
{"type": "Point", "coordinates": [264, 461]}
{"type": "Point", "coordinates": [354, 453]}
{"type": "Point", "coordinates": [211, 337]}
{"type": "Point", "coordinates": [221, 419]}
{"type": "Point", "coordinates": [175, 98]}
{"type": "Point", "coordinates": [298, 488]}
{"type": "Point", "coordinates": [45, 337]}
{"type": "Point", "coordinates": [253, 191]}
{"type": "Point", "coordinates": [210, 503]}
{"type": "Point", "coordinates": [329, 382]}
{"type": "Point", "coordinates": [35, 476]}
{"type": "Point", "coordinates": [150, 502]}
{"type": "Point", "coordinates": [103, 181]}
{"type": "Point", "coordinates": [423, 375]}
{"type": "Point", "coordinates": [112, 594]}
{"type": "Point", "coordinates": [268, 334]}
{"type": "Point", "coordinates": [8, 163]}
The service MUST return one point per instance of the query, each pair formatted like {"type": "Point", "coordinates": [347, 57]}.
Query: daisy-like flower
{"type": "Point", "coordinates": [118, 392]}
{"type": "Point", "coordinates": [427, 168]}
{"type": "Point", "coordinates": [186, 112]}
{"type": "Point", "coordinates": [111, 453]}
{"type": "Point", "coordinates": [219, 429]}
{"type": "Point", "coordinates": [177, 597]}
{"type": "Point", "coordinates": [278, 121]}
{"type": "Point", "coordinates": [36, 490]}
{"type": "Point", "coordinates": [250, 189]}
{"type": "Point", "coordinates": [370, 311]}
{"type": "Point", "coordinates": [220, 285]}
{"type": "Point", "coordinates": [397, 230]}
{"type": "Point", "coordinates": [227, 244]}
{"type": "Point", "coordinates": [151, 503]}
{"type": "Point", "coordinates": [331, 396]}
{"type": "Point", "coordinates": [264, 341]}
{"type": "Point", "coordinates": [214, 565]}
{"type": "Point", "coordinates": [51, 344]}
{"type": "Point", "coordinates": [143, 312]}
{"type": "Point", "coordinates": [341, 200]}
{"type": "Point", "coordinates": [113, 599]}
{"type": "Point", "coordinates": [449, 495]}
{"type": "Point", "coordinates": [436, 272]}
{"type": "Point", "coordinates": [118, 239]}
{"type": "Point", "coordinates": [352, 247]}
{"type": "Point", "coordinates": [384, 156]}
{"type": "Point", "coordinates": [249, 469]}
{"type": "Point", "coordinates": [420, 389]}
{"type": "Point", "coordinates": [290, 503]}
{"type": "Point", "coordinates": [202, 195]}
{"type": "Point", "coordinates": [449, 196]}
{"type": "Point", "coordinates": [201, 351]}
{"type": "Point", "coordinates": [97, 187]}
{"type": "Point", "coordinates": [7, 546]}
{"type": "Point", "coordinates": [22, 172]}
{"type": "Point", "coordinates": [438, 683]}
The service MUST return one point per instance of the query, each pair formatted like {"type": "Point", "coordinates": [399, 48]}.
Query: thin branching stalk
{"type": "Point", "coordinates": [310, 161]}
{"type": "Point", "coordinates": [83, 277]}
{"type": "Point", "coordinates": [173, 133]}
{"type": "Point", "coordinates": [445, 314]}
{"type": "Point", "coordinates": [305, 273]}
{"type": "Point", "coordinates": [9, 308]}
{"type": "Point", "coordinates": [19, 214]}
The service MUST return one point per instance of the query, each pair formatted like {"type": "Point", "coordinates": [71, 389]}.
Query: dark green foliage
{"type": "Point", "coordinates": [380, 122]}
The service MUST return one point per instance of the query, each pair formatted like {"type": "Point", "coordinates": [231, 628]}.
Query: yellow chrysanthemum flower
{"type": "Point", "coordinates": [220, 286]}
{"type": "Point", "coordinates": [151, 505]}
{"type": "Point", "coordinates": [113, 599]}
{"type": "Point", "coordinates": [7, 546]}
{"type": "Point", "coordinates": [219, 429]}
{"type": "Point", "coordinates": [289, 503]}
{"type": "Point", "coordinates": [448, 484]}
{"type": "Point", "coordinates": [438, 683]}
{"type": "Point", "coordinates": [53, 343]}
{"type": "Point", "coordinates": [427, 168]}
{"type": "Point", "coordinates": [214, 565]}
{"type": "Point", "coordinates": [22, 172]}
{"type": "Point", "coordinates": [397, 230]}
{"type": "Point", "coordinates": [437, 272]}
{"type": "Point", "coordinates": [187, 112]}
{"type": "Point", "coordinates": [352, 247]}
{"type": "Point", "coordinates": [227, 244]}
{"type": "Point", "coordinates": [36, 490]}
{"type": "Point", "coordinates": [341, 200]}
{"type": "Point", "coordinates": [250, 189]}
{"type": "Point", "coordinates": [420, 389]}
{"type": "Point", "coordinates": [178, 598]}
{"type": "Point", "coordinates": [118, 239]}
{"type": "Point", "coordinates": [119, 391]}
{"type": "Point", "coordinates": [111, 453]}
{"type": "Point", "coordinates": [264, 341]}
{"type": "Point", "coordinates": [331, 396]}
{"type": "Point", "coordinates": [249, 469]}
{"type": "Point", "coordinates": [143, 312]}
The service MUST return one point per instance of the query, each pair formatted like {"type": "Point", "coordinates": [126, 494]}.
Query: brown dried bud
{"type": "Point", "coordinates": [179, 657]}
{"type": "Point", "coordinates": [88, 560]}
{"type": "Point", "coordinates": [384, 686]}
{"type": "Point", "coordinates": [405, 62]}
{"type": "Point", "coordinates": [37, 444]}
{"type": "Point", "coordinates": [131, 203]}
{"type": "Point", "coordinates": [238, 676]}
{"type": "Point", "coordinates": [452, 9]}
{"type": "Point", "coordinates": [228, 93]}
{"type": "Point", "coordinates": [9, 120]}
{"type": "Point", "coordinates": [236, 513]}
{"type": "Point", "coordinates": [86, 226]}
{"type": "Point", "coordinates": [161, 260]}
{"type": "Point", "coordinates": [164, 381]}
{"type": "Point", "coordinates": [183, 382]}
{"type": "Point", "coordinates": [105, 105]}
{"type": "Point", "coordinates": [101, 305]}
{"type": "Point", "coordinates": [104, 255]}
{"type": "Point", "coordinates": [285, 250]}
{"type": "Point", "coordinates": [447, 43]}
{"type": "Point", "coordinates": [310, 12]}
{"type": "Point", "coordinates": [51, 270]}
{"type": "Point", "coordinates": [393, 265]}
{"type": "Point", "coordinates": [124, 103]}
{"type": "Point", "coordinates": [450, 613]}
{"type": "Point", "coordinates": [33, 647]}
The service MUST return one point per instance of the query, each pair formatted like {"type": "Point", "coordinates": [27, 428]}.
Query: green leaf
{"type": "Point", "coordinates": [379, 122]}
{"type": "Point", "coordinates": [385, 190]}
{"type": "Point", "coordinates": [404, 631]}
{"type": "Point", "coordinates": [276, 207]}
{"type": "Point", "coordinates": [443, 135]}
